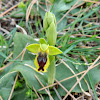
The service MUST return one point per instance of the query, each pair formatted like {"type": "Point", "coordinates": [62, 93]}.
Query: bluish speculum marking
{"type": "Point", "coordinates": [42, 59]}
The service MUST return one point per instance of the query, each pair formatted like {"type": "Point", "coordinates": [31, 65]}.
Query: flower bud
{"type": "Point", "coordinates": [50, 26]}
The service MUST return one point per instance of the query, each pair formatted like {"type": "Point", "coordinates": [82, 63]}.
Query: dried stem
{"type": "Point", "coordinates": [45, 89]}
{"type": "Point", "coordinates": [13, 86]}
{"type": "Point", "coordinates": [82, 76]}
{"type": "Point", "coordinates": [65, 89]}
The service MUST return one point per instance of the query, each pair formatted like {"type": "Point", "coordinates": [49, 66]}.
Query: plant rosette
{"type": "Point", "coordinates": [42, 51]}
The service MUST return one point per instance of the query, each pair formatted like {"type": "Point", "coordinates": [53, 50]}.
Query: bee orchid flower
{"type": "Point", "coordinates": [42, 51]}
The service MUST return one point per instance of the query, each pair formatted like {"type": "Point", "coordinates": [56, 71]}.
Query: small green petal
{"type": "Point", "coordinates": [42, 41]}
{"type": "Point", "coordinates": [33, 48]}
{"type": "Point", "coordinates": [43, 47]}
{"type": "Point", "coordinates": [54, 51]}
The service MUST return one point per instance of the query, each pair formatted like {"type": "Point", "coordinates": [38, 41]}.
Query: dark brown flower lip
{"type": "Point", "coordinates": [42, 60]}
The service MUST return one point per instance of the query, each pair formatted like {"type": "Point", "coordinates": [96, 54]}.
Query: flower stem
{"type": "Point", "coordinates": [51, 70]}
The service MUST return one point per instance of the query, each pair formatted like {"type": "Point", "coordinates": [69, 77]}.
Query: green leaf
{"type": "Point", "coordinates": [43, 47]}
{"type": "Point", "coordinates": [54, 51]}
{"type": "Point", "coordinates": [4, 93]}
{"type": "Point", "coordinates": [6, 83]}
{"type": "Point", "coordinates": [33, 48]}
{"type": "Point", "coordinates": [20, 94]}
{"type": "Point", "coordinates": [21, 5]}
{"type": "Point", "coordinates": [42, 41]}
{"type": "Point", "coordinates": [20, 42]}
{"type": "Point", "coordinates": [95, 73]}
{"type": "Point", "coordinates": [3, 55]}
{"type": "Point", "coordinates": [51, 34]}
{"type": "Point", "coordinates": [1, 41]}
{"type": "Point", "coordinates": [29, 74]}
{"type": "Point", "coordinates": [63, 72]}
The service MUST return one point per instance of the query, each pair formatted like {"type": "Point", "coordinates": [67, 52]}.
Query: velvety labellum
{"type": "Point", "coordinates": [42, 59]}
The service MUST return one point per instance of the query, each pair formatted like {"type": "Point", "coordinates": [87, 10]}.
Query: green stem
{"type": "Point", "coordinates": [51, 70]}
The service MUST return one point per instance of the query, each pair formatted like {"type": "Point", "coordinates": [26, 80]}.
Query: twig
{"type": "Point", "coordinates": [36, 93]}
{"type": "Point", "coordinates": [86, 93]}
{"type": "Point", "coordinates": [68, 12]}
{"type": "Point", "coordinates": [62, 80]}
{"type": "Point", "coordinates": [98, 93]}
{"type": "Point", "coordinates": [65, 89]}
{"type": "Point", "coordinates": [41, 97]}
{"type": "Point", "coordinates": [23, 54]}
{"type": "Point", "coordinates": [8, 57]}
{"type": "Point", "coordinates": [68, 78]}
{"type": "Point", "coordinates": [91, 1]}
{"type": "Point", "coordinates": [81, 97]}
{"type": "Point", "coordinates": [29, 9]}
{"type": "Point", "coordinates": [90, 79]}
{"type": "Point", "coordinates": [4, 30]}
{"type": "Point", "coordinates": [57, 93]}
{"type": "Point", "coordinates": [0, 4]}
{"type": "Point", "coordinates": [13, 86]}
{"type": "Point", "coordinates": [46, 4]}
{"type": "Point", "coordinates": [1, 15]}
{"type": "Point", "coordinates": [94, 18]}
{"type": "Point", "coordinates": [42, 8]}
{"type": "Point", "coordinates": [21, 29]}
{"type": "Point", "coordinates": [82, 76]}
{"type": "Point", "coordinates": [1, 98]}
{"type": "Point", "coordinates": [12, 61]}
{"type": "Point", "coordinates": [45, 89]}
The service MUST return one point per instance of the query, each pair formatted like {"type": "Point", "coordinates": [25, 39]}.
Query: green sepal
{"type": "Point", "coordinates": [33, 48]}
{"type": "Point", "coordinates": [48, 19]}
{"type": "Point", "coordinates": [54, 51]}
{"type": "Point", "coordinates": [44, 47]}
{"type": "Point", "coordinates": [42, 41]}
{"type": "Point", "coordinates": [51, 34]}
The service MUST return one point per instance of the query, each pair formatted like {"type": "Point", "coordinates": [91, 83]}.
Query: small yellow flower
{"type": "Point", "coordinates": [42, 52]}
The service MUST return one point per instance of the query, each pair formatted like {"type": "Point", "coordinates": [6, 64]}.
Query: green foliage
{"type": "Point", "coordinates": [6, 85]}
{"type": "Point", "coordinates": [87, 44]}
{"type": "Point", "coordinates": [21, 5]}
{"type": "Point", "coordinates": [21, 41]}
{"type": "Point", "coordinates": [49, 25]}
{"type": "Point", "coordinates": [29, 74]}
